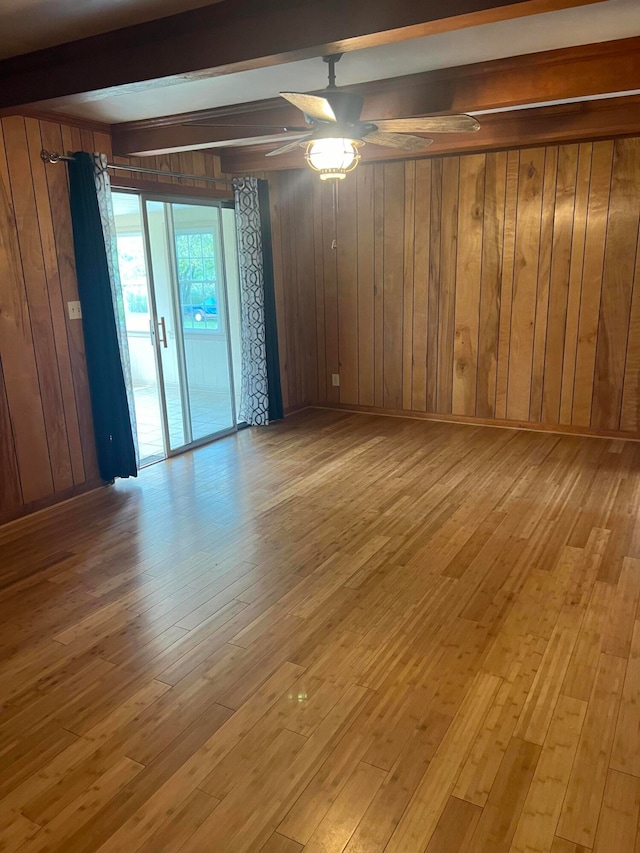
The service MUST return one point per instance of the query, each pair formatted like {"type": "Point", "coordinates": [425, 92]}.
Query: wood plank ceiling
{"type": "Point", "coordinates": [590, 73]}
{"type": "Point", "coordinates": [205, 43]}
{"type": "Point", "coordinates": [237, 35]}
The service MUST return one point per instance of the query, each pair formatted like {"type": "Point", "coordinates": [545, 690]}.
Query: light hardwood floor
{"type": "Point", "coordinates": [342, 633]}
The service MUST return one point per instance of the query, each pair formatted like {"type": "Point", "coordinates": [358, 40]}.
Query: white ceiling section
{"type": "Point", "coordinates": [27, 25]}
{"type": "Point", "coordinates": [613, 19]}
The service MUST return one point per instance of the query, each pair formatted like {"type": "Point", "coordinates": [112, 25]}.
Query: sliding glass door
{"type": "Point", "coordinates": [193, 305]}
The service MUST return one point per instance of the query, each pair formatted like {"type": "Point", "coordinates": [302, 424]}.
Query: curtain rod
{"type": "Point", "coordinates": [54, 157]}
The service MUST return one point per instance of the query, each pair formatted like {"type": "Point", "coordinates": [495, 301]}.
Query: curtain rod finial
{"type": "Point", "coordinates": [49, 156]}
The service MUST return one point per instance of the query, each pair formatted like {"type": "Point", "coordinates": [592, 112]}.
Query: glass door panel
{"type": "Point", "coordinates": [204, 311]}
{"type": "Point", "coordinates": [232, 276]}
{"type": "Point", "coordinates": [167, 327]}
{"type": "Point", "coordinates": [137, 301]}
{"type": "Point", "coordinates": [186, 254]}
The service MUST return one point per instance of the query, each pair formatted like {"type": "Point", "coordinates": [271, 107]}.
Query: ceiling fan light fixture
{"type": "Point", "coordinates": [333, 158]}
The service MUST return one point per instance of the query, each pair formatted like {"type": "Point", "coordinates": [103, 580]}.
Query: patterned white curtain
{"type": "Point", "coordinates": [254, 396]}
{"type": "Point", "coordinates": [105, 205]}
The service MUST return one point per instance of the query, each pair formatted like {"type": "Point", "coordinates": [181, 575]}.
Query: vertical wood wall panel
{"type": "Point", "coordinates": [275, 192]}
{"type": "Point", "coordinates": [576, 272]}
{"type": "Point", "coordinates": [10, 489]}
{"type": "Point", "coordinates": [447, 290]}
{"type": "Point", "coordinates": [468, 283]}
{"type": "Point", "coordinates": [562, 207]}
{"type": "Point", "coordinates": [421, 263]}
{"type": "Point", "coordinates": [57, 182]}
{"type": "Point", "coordinates": [284, 303]}
{"type": "Point", "coordinates": [408, 279]}
{"type": "Point", "coordinates": [617, 281]}
{"type": "Point", "coordinates": [595, 237]}
{"type": "Point", "coordinates": [321, 361]}
{"type": "Point", "coordinates": [293, 296]}
{"type": "Point", "coordinates": [366, 283]}
{"type": "Point", "coordinates": [38, 299]}
{"type": "Point", "coordinates": [17, 352]}
{"type": "Point", "coordinates": [543, 310]}
{"type": "Point", "coordinates": [501, 286]}
{"type": "Point", "coordinates": [56, 300]}
{"type": "Point", "coordinates": [525, 280]}
{"type": "Point", "coordinates": [348, 325]}
{"type": "Point", "coordinates": [330, 279]}
{"type": "Point", "coordinates": [308, 373]}
{"type": "Point", "coordinates": [631, 391]}
{"type": "Point", "coordinates": [506, 293]}
{"type": "Point", "coordinates": [393, 284]}
{"type": "Point", "coordinates": [491, 282]}
{"type": "Point", "coordinates": [433, 321]}
{"type": "Point", "coordinates": [47, 449]}
{"type": "Point", "coordinates": [301, 264]}
{"type": "Point", "coordinates": [378, 284]}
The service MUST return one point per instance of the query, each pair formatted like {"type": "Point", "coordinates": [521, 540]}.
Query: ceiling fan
{"type": "Point", "coordinates": [334, 131]}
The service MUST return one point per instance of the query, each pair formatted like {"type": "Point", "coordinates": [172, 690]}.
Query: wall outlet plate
{"type": "Point", "coordinates": [75, 311]}
{"type": "Point", "coordinates": [335, 379]}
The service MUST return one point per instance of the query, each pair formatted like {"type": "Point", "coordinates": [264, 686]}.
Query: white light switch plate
{"type": "Point", "coordinates": [335, 379]}
{"type": "Point", "coordinates": [75, 311]}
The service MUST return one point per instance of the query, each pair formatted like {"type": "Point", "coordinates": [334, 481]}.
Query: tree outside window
{"type": "Point", "coordinates": [197, 278]}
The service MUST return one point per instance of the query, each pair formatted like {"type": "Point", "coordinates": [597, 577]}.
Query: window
{"type": "Point", "coordinates": [197, 278]}
{"type": "Point", "coordinates": [133, 277]}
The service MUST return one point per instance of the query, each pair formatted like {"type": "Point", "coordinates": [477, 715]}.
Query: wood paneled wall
{"type": "Point", "coordinates": [294, 265]}
{"type": "Point", "coordinates": [501, 286]}
{"type": "Point", "coordinates": [47, 448]}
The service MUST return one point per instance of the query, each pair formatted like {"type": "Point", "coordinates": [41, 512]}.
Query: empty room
{"type": "Point", "coordinates": [320, 426]}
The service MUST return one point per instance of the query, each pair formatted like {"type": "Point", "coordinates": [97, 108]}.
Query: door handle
{"type": "Point", "coordinates": [163, 338]}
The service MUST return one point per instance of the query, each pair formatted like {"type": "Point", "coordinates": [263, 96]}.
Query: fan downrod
{"type": "Point", "coordinates": [331, 62]}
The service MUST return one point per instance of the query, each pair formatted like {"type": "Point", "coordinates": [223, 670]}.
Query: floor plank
{"type": "Point", "coordinates": [342, 633]}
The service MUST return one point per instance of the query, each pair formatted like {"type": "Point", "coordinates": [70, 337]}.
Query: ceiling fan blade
{"type": "Point", "coordinates": [291, 146]}
{"type": "Point", "coordinates": [311, 105]}
{"type": "Point", "coordinates": [398, 140]}
{"type": "Point", "coordinates": [279, 127]}
{"type": "Point", "coordinates": [430, 124]}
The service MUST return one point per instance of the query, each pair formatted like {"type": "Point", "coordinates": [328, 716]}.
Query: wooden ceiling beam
{"type": "Point", "coordinates": [601, 119]}
{"type": "Point", "coordinates": [582, 72]}
{"type": "Point", "coordinates": [236, 35]}
{"type": "Point", "coordinates": [171, 133]}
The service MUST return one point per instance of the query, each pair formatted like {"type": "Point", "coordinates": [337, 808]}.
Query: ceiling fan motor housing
{"type": "Point", "coordinates": [346, 106]}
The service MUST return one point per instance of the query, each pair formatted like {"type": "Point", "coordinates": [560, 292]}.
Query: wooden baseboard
{"type": "Point", "coordinates": [292, 410]}
{"type": "Point", "coordinates": [561, 429]}
{"type": "Point", "coordinates": [20, 512]}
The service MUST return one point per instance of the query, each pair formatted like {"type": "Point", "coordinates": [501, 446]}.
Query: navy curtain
{"type": "Point", "coordinates": [276, 410]}
{"type": "Point", "coordinates": [111, 420]}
